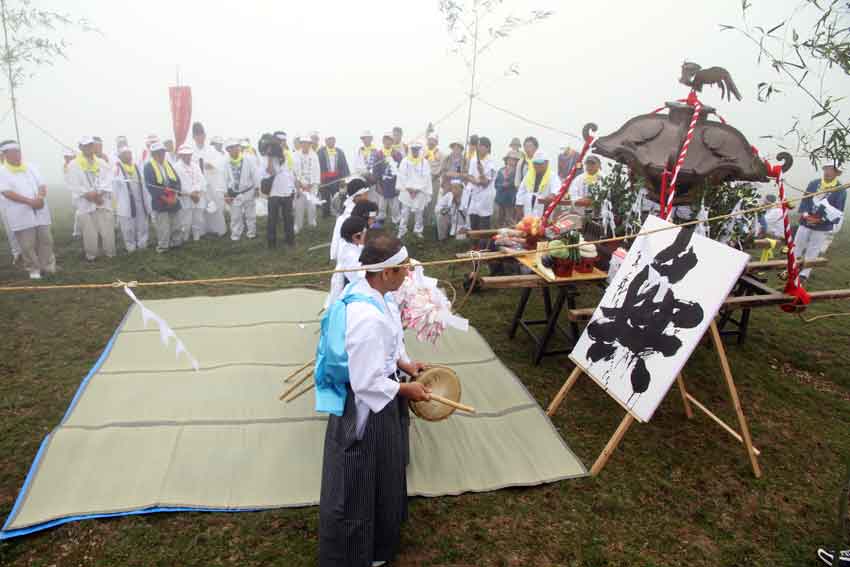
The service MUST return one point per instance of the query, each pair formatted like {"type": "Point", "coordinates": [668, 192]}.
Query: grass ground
{"type": "Point", "coordinates": [675, 492]}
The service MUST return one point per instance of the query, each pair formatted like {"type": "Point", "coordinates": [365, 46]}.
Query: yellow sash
{"type": "Point", "coordinates": [169, 171]}
{"type": "Point", "coordinates": [531, 178]}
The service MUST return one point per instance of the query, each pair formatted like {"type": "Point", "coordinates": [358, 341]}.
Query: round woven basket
{"type": "Point", "coordinates": [442, 381]}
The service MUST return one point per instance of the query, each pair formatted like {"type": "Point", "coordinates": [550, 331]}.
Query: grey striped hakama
{"type": "Point", "coordinates": [364, 488]}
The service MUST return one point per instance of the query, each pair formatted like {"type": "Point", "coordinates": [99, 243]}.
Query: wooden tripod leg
{"type": "Point", "coordinates": [570, 382]}
{"type": "Point", "coordinates": [736, 402]}
{"type": "Point", "coordinates": [612, 444]}
{"type": "Point", "coordinates": [689, 412]}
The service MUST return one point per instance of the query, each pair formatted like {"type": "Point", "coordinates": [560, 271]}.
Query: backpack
{"type": "Point", "coordinates": [331, 371]}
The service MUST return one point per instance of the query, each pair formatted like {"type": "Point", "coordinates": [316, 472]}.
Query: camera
{"type": "Point", "coordinates": [269, 146]}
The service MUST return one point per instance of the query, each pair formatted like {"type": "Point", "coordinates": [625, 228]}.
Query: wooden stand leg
{"type": "Point", "coordinates": [570, 382]}
{"type": "Point", "coordinates": [736, 402]}
{"type": "Point", "coordinates": [688, 411]}
{"type": "Point", "coordinates": [612, 444]}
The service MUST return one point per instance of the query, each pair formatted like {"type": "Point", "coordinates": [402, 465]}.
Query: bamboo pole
{"type": "Point", "coordinates": [298, 383]}
{"type": "Point", "coordinates": [681, 382]}
{"type": "Point", "coordinates": [719, 421]}
{"type": "Point", "coordinates": [297, 372]}
{"type": "Point", "coordinates": [302, 391]}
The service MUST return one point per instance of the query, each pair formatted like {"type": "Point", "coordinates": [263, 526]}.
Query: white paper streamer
{"type": "Point", "coordinates": [425, 308]}
{"type": "Point", "coordinates": [702, 228]}
{"type": "Point", "coordinates": [608, 217]}
{"type": "Point", "coordinates": [165, 330]}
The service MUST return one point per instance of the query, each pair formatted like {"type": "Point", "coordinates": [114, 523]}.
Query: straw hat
{"type": "Point", "coordinates": [443, 382]}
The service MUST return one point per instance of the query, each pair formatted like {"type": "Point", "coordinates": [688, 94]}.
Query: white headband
{"type": "Point", "coordinates": [392, 262]}
{"type": "Point", "coordinates": [10, 146]}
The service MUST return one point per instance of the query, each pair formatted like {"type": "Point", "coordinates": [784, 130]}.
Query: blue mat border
{"type": "Point", "coordinates": [7, 534]}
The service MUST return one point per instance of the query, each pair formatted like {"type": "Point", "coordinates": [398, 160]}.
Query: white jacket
{"type": "Point", "coordinates": [191, 180]}
{"type": "Point", "coordinates": [415, 177]}
{"type": "Point", "coordinates": [123, 187]}
{"type": "Point", "coordinates": [81, 182]}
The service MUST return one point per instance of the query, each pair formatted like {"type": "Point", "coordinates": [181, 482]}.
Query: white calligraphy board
{"type": "Point", "coordinates": [655, 311]}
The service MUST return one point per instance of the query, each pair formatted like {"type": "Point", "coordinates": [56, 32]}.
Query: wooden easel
{"type": "Point", "coordinates": [687, 400]}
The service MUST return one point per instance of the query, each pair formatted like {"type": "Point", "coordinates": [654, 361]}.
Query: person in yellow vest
{"type": "Point", "coordinates": [529, 147]}
{"type": "Point", "coordinates": [163, 184]}
{"type": "Point", "coordinates": [90, 181]}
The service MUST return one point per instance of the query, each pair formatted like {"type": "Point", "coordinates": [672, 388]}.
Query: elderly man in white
{"type": "Point", "coordinates": [212, 163]}
{"type": "Point", "coordinates": [193, 200]}
{"type": "Point", "coordinates": [90, 181]}
{"type": "Point", "coordinates": [414, 189]}
{"type": "Point", "coordinates": [24, 199]}
{"type": "Point", "coordinates": [242, 184]}
{"type": "Point", "coordinates": [539, 186]}
{"type": "Point", "coordinates": [307, 178]}
{"type": "Point", "coordinates": [134, 206]}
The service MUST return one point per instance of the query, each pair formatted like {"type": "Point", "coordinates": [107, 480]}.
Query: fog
{"type": "Point", "coordinates": [341, 67]}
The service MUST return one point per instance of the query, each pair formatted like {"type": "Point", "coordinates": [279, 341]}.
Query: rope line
{"type": "Point", "coordinates": [137, 284]}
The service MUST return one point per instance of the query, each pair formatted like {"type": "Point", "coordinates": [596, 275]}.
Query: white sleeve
{"type": "Point", "coordinates": [105, 177]}
{"type": "Point", "coordinates": [403, 174]}
{"type": "Point", "coordinates": [577, 189]}
{"type": "Point", "coordinates": [75, 183]}
{"type": "Point", "coordinates": [365, 364]}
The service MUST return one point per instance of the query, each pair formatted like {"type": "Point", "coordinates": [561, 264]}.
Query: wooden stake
{"type": "Point", "coordinates": [612, 444]}
{"type": "Point", "coordinates": [733, 393]}
{"type": "Point", "coordinates": [568, 384]}
{"type": "Point", "coordinates": [298, 383]}
{"type": "Point", "coordinates": [719, 421]}
{"type": "Point", "coordinates": [688, 411]}
{"type": "Point", "coordinates": [297, 372]}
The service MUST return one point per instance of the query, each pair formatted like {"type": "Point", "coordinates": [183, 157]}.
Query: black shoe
{"type": "Point", "coordinates": [828, 556]}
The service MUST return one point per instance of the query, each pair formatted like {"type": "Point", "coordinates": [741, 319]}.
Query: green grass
{"type": "Point", "coordinates": [676, 492]}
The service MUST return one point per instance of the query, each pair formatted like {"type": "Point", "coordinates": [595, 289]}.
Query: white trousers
{"type": "Point", "coordinates": [192, 223]}
{"type": "Point", "coordinates": [98, 227]}
{"type": "Point", "coordinates": [302, 205]}
{"type": "Point", "coordinates": [388, 206]}
{"type": "Point", "coordinates": [14, 247]}
{"type": "Point", "coordinates": [75, 232]}
{"type": "Point", "coordinates": [243, 216]}
{"type": "Point", "coordinates": [169, 234]}
{"type": "Point", "coordinates": [418, 224]}
{"type": "Point", "coordinates": [809, 244]}
{"type": "Point", "coordinates": [134, 231]}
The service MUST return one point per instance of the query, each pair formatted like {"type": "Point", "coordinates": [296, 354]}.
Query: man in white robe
{"type": "Point", "coordinates": [362, 165]}
{"type": "Point", "coordinates": [242, 185]}
{"type": "Point", "coordinates": [193, 201]}
{"type": "Point", "coordinates": [579, 191]}
{"type": "Point", "coordinates": [414, 189]}
{"type": "Point", "coordinates": [133, 201]}
{"type": "Point", "coordinates": [280, 173]}
{"type": "Point", "coordinates": [539, 186]}
{"type": "Point", "coordinates": [212, 161]}
{"type": "Point", "coordinates": [307, 178]}
{"type": "Point", "coordinates": [24, 199]}
{"type": "Point", "coordinates": [90, 181]}
{"type": "Point", "coordinates": [479, 194]}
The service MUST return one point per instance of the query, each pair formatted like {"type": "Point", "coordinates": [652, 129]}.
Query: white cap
{"type": "Point", "coordinates": [366, 133]}
{"type": "Point", "coordinates": [232, 142]}
{"type": "Point", "coordinates": [124, 148]}
{"type": "Point", "coordinates": [244, 143]}
{"type": "Point", "coordinates": [151, 138]}
{"type": "Point", "coordinates": [280, 135]}
{"type": "Point", "coordinates": [157, 147]}
{"type": "Point", "coordinates": [314, 133]}
{"type": "Point", "coordinates": [86, 140]}
{"type": "Point", "coordinates": [433, 136]}
{"type": "Point", "coordinates": [388, 134]}
{"type": "Point", "coordinates": [10, 145]}
{"type": "Point", "coordinates": [416, 144]}
{"type": "Point", "coordinates": [216, 140]}
{"type": "Point", "coordinates": [539, 157]}
{"type": "Point", "coordinates": [185, 150]}
{"type": "Point", "coordinates": [68, 152]}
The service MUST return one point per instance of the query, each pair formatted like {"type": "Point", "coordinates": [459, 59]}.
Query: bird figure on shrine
{"type": "Point", "coordinates": [695, 77]}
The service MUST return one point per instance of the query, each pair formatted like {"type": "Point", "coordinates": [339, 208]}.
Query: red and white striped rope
{"type": "Point", "coordinates": [793, 267]}
{"type": "Point", "coordinates": [671, 190]}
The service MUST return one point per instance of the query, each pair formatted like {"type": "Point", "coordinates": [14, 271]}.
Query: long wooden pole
{"type": "Point", "coordinates": [681, 382]}
{"type": "Point", "coordinates": [8, 57]}
{"type": "Point", "coordinates": [472, 77]}
{"type": "Point", "coordinates": [733, 393]}
{"type": "Point", "coordinates": [298, 383]}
